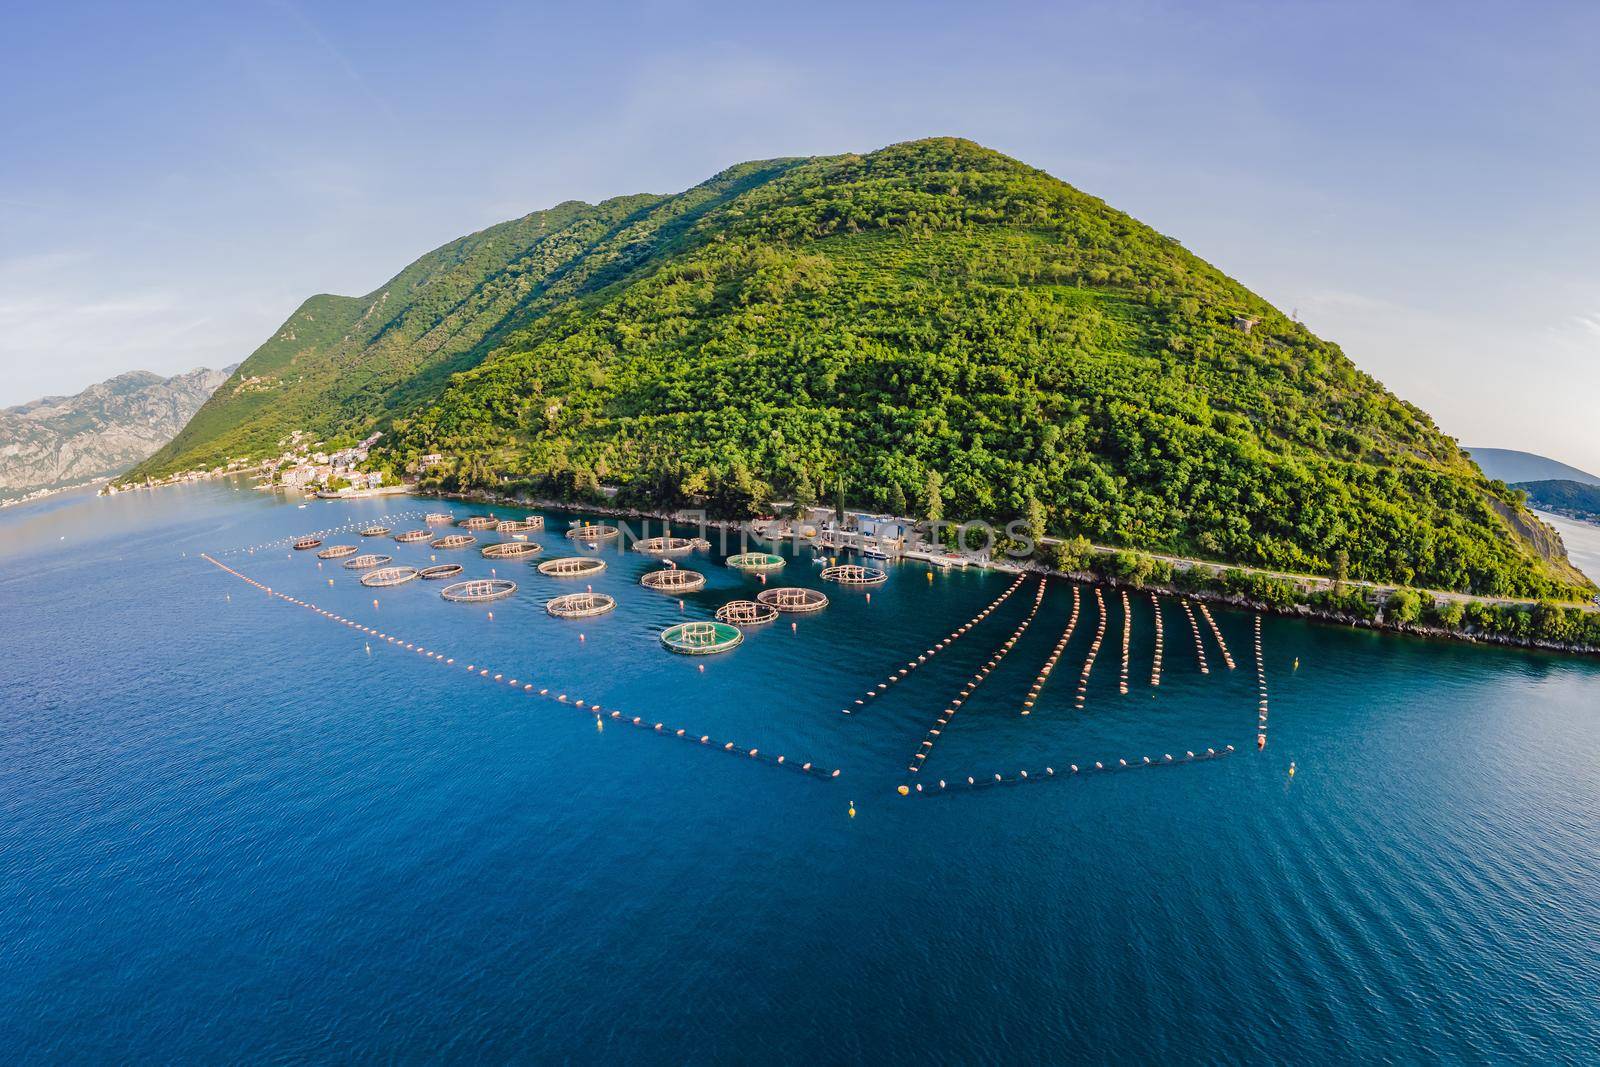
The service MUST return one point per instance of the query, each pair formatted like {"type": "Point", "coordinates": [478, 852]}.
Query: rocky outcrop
{"type": "Point", "coordinates": [59, 441]}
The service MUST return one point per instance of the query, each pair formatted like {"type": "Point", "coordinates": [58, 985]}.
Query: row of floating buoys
{"type": "Point", "coordinates": [1094, 650]}
{"type": "Point", "coordinates": [1217, 633]}
{"type": "Point", "coordinates": [1055, 655]}
{"type": "Point", "coordinates": [346, 528]}
{"type": "Point", "coordinates": [984, 781]}
{"type": "Point", "coordinates": [977, 679]}
{"type": "Point", "coordinates": [1127, 637]}
{"type": "Point", "coordinates": [1155, 662]}
{"type": "Point", "coordinates": [529, 688]}
{"type": "Point", "coordinates": [1261, 687]}
{"type": "Point", "coordinates": [954, 635]}
{"type": "Point", "coordinates": [1199, 646]}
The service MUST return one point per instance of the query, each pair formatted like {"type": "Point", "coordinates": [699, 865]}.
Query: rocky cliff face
{"type": "Point", "coordinates": [66, 440]}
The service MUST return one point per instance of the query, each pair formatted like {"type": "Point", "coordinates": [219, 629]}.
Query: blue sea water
{"type": "Point", "coordinates": [236, 830]}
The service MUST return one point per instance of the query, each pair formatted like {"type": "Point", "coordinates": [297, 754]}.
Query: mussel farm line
{"type": "Point", "coordinates": [1127, 638]}
{"type": "Point", "coordinates": [349, 527]}
{"type": "Point", "coordinates": [1094, 649]}
{"type": "Point", "coordinates": [1205, 613]}
{"type": "Point", "coordinates": [1155, 660]}
{"type": "Point", "coordinates": [1194, 628]}
{"type": "Point", "coordinates": [532, 689]}
{"type": "Point", "coordinates": [1054, 656]}
{"type": "Point", "coordinates": [1000, 653]}
{"type": "Point", "coordinates": [1261, 686]}
{"type": "Point", "coordinates": [954, 635]}
{"type": "Point", "coordinates": [1070, 770]}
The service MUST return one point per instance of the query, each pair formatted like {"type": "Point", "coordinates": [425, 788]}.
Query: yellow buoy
{"type": "Point", "coordinates": [903, 791]}
{"type": "Point", "coordinates": [1291, 768]}
{"type": "Point", "coordinates": [852, 809]}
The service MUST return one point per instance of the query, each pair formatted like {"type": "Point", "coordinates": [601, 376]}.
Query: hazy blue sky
{"type": "Point", "coordinates": [1421, 181]}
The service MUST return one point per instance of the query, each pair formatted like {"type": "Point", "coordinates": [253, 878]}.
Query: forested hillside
{"type": "Point", "coordinates": [934, 327]}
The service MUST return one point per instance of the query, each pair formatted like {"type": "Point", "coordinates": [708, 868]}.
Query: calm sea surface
{"type": "Point", "coordinates": [234, 829]}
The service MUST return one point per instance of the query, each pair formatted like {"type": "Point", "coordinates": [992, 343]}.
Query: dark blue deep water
{"type": "Point", "coordinates": [229, 831]}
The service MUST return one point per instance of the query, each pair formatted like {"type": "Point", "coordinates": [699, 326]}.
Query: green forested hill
{"type": "Point", "coordinates": [1560, 494]}
{"type": "Point", "coordinates": [939, 327]}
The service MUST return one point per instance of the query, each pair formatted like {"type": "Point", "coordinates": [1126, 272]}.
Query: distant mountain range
{"type": "Point", "coordinates": [60, 441]}
{"type": "Point", "coordinates": [1511, 466]}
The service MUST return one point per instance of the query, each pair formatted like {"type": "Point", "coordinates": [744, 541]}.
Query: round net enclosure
{"type": "Point", "coordinates": [532, 522]}
{"type": "Point", "coordinates": [478, 522]}
{"type": "Point", "coordinates": [479, 589]}
{"type": "Point", "coordinates": [385, 576]}
{"type": "Point", "coordinates": [664, 546]}
{"type": "Point", "coordinates": [854, 574]}
{"type": "Point", "coordinates": [701, 638]}
{"type": "Point", "coordinates": [443, 570]}
{"type": "Point", "coordinates": [453, 541]}
{"type": "Point", "coordinates": [580, 605]}
{"type": "Point", "coordinates": [412, 536]}
{"type": "Point", "coordinates": [512, 550]}
{"type": "Point", "coordinates": [746, 613]}
{"type": "Point", "coordinates": [337, 551]}
{"type": "Point", "coordinates": [367, 562]}
{"type": "Point", "coordinates": [435, 518]}
{"type": "Point", "coordinates": [307, 542]}
{"type": "Point", "coordinates": [375, 531]}
{"type": "Point", "coordinates": [572, 566]}
{"type": "Point", "coordinates": [673, 580]}
{"type": "Point", "coordinates": [793, 599]}
{"type": "Point", "coordinates": [755, 562]}
{"type": "Point", "coordinates": [592, 532]}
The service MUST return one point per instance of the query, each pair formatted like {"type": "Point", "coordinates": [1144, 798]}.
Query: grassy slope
{"type": "Point", "coordinates": [935, 307]}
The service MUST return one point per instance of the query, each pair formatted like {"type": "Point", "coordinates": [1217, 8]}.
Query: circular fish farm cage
{"type": "Point", "coordinates": [479, 522]}
{"type": "Point", "coordinates": [793, 599]}
{"type": "Point", "coordinates": [307, 542]}
{"type": "Point", "coordinates": [385, 576]}
{"type": "Point", "coordinates": [854, 574]}
{"type": "Point", "coordinates": [533, 522]}
{"type": "Point", "coordinates": [442, 570]}
{"type": "Point", "coordinates": [367, 562]}
{"type": "Point", "coordinates": [746, 613]}
{"type": "Point", "coordinates": [701, 638]}
{"type": "Point", "coordinates": [664, 546]}
{"type": "Point", "coordinates": [435, 518]}
{"type": "Point", "coordinates": [580, 605]}
{"type": "Point", "coordinates": [673, 580]}
{"type": "Point", "coordinates": [337, 551]}
{"type": "Point", "coordinates": [412, 536]}
{"type": "Point", "coordinates": [478, 590]}
{"type": "Point", "coordinates": [375, 531]}
{"type": "Point", "coordinates": [593, 532]}
{"type": "Point", "coordinates": [512, 550]}
{"type": "Point", "coordinates": [572, 567]}
{"type": "Point", "coordinates": [755, 562]}
{"type": "Point", "coordinates": [453, 541]}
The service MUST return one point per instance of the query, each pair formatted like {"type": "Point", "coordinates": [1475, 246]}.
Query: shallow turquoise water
{"type": "Point", "coordinates": [231, 832]}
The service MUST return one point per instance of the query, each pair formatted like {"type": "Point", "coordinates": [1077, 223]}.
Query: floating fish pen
{"type": "Point", "coordinates": [385, 576]}
{"type": "Point", "coordinates": [701, 638]}
{"type": "Point", "coordinates": [593, 532]}
{"type": "Point", "coordinates": [854, 574]}
{"type": "Point", "coordinates": [478, 590]}
{"type": "Point", "coordinates": [443, 570]}
{"type": "Point", "coordinates": [437, 518]}
{"type": "Point", "coordinates": [673, 580]}
{"type": "Point", "coordinates": [793, 599]}
{"type": "Point", "coordinates": [664, 546]}
{"type": "Point", "coordinates": [572, 567]}
{"type": "Point", "coordinates": [755, 562]}
{"type": "Point", "coordinates": [520, 525]}
{"type": "Point", "coordinates": [478, 522]}
{"type": "Point", "coordinates": [512, 550]}
{"type": "Point", "coordinates": [453, 541]}
{"type": "Point", "coordinates": [307, 542]}
{"type": "Point", "coordinates": [412, 536]}
{"type": "Point", "coordinates": [367, 562]}
{"type": "Point", "coordinates": [580, 605]}
{"type": "Point", "coordinates": [746, 613]}
{"type": "Point", "coordinates": [375, 531]}
{"type": "Point", "coordinates": [337, 551]}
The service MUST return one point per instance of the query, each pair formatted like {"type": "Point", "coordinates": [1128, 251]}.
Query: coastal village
{"type": "Point", "coordinates": [305, 464]}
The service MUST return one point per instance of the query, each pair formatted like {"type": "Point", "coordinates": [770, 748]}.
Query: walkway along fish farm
{"type": "Point", "coordinates": [726, 633]}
